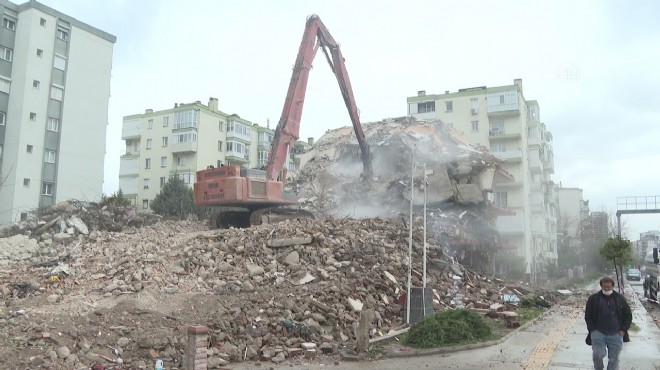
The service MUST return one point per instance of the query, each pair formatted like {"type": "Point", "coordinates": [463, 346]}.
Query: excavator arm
{"type": "Point", "coordinates": [288, 128]}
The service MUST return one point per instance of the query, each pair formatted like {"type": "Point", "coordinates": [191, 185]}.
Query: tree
{"type": "Point", "coordinates": [619, 252]}
{"type": "Point", "coordinates": [175, 199]}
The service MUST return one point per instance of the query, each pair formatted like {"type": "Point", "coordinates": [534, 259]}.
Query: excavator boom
{"type": "Point", "coordinates": [248, 196]}
{"type": "Point", "coordinates": [288, 128]}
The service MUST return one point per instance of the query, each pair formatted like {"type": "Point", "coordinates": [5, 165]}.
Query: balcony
{"type": "Point", "coordinates": [535, 164]}
{"type": "Point", "coordinates": [130, 129]}
{"type": "Point", "coordinates": [185, 147]}
{"type": "Point", "coordinates": [510, 155]}
{"type": "Point", "coordinates": [129, 166]}
{"type": "Point", "coordinates": [549, 165]}
{"type": "Point", "coordinates": [513, 224]}
{"type": "Point", "coordinates": [533, 141]}
{"type": "Point", "coordinates": [237, 156]}
{"type": "Point", "coordinates": [501, 135]}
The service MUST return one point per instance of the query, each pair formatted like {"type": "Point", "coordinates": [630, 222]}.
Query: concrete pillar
{"type": "Point", "coordinates": [196, 352]}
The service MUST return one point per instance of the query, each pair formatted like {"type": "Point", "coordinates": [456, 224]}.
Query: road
{"type": "Point", "coordinates": [556, 342]}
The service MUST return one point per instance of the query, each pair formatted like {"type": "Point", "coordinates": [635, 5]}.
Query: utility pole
{"type": "Point", "coordinates": [412, 192]}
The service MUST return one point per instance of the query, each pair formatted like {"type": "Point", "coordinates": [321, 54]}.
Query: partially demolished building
{"type": "Point", "coordinates": [460, 181]}
{"type": "Point", "coordinates": [501, 119]}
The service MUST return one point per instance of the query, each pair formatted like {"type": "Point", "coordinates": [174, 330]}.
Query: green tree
{"type": "Point", "coordinates": [175, 199]}
{"type": "Point", "coordinates": [619, 252]}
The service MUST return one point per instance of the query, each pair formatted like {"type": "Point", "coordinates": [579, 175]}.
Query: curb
{"type": "Point", "coordinates": [443, 350]}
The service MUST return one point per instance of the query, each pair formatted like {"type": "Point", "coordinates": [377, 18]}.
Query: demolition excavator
{"type": "Point", "coordinates": [242, 197]}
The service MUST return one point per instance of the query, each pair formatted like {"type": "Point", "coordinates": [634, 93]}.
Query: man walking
{"type": "Point", "coordinates": [608, 318]}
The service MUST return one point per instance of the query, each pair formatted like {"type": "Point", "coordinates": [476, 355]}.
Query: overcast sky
{"type": "Point", "coordinates": [592, 66]}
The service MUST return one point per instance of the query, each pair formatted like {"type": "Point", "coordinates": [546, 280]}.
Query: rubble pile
{"type": "Point", "coordinates": [75, 217]}
{"type": "Point", "coordinates": [262, 291]}
{"type": "Point", "coordinates": [87, 283]}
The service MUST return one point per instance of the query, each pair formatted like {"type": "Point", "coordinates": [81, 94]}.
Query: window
{"type": "Point", "coordinates": [150, 124]}
{"type": "Point", "coordinates": [23, 216]}
{"type": "Point", "coordinates": [449, 106]}
{"type": "Point", "coordinates": [184, 137]}
{"type": "Point", "coordinates": [47, 188]}
{"type": "Point", "coordinates": [219, 145]}
{"type": "Point", "coordinates": [426, 107]}
{"type": "Point", "coordinates": [147, 163]}
{"type": "Point", "coordinates": [40, 53]}
{"type": "Point", "coordinates": [29, 149]}
{"type": "Point", "coordinates": [500, 199]}
{"type": "Point", "coordinates": [56, 93]}
{"type": "Point", "coordinates": [498, 147]}
{"type": "Point", "coordinates": [166, 121]}
{"type": "Point", "coordinates": [26, 183]}
{"type": "Point", "coordinates": [49, 156]}
{"type": "Point", "coordinates": [475, 126]}
{"type": "Point", "coordinates": [497, 128]}
{"type": "Point", "coordinates": [53, 124]}
{"type": "Point", "coordinates": [180, 161]}
{"type": "Point", "coordinates": [62, 34]}
{"type": "Point", "coordinates": [145, 203]}
{"type": "Point", "coordinates": [234, 146]}
{"type": "Point", "coordinates": [164, 141]}
{"type": "Point", "coordinates": [1, 151]}
{"type": "Point", "coordinates": [3, 118]}
{"type": "Point", "coordinates": [265, 138]}
{"type": "Point", "coordinates": [262, 157]}
{"type": "Point", "coordinates": [35, 84]}
{"type": "Point", "coordinates": [33, 116]}
{"type": "Point", "coordinates": [148, 144]}
{"type": "Point", "coordinates": [5, 85]}
{"type": "Point", "coordinates": [186, 119]}
{"type": "Point", "coordinates": [162, 182]}
{"type": "Point", "coordinates": [9, 24]}
{"type": "Point", "coordinates": [59, 62]}
{"type": "Point", "coordinates": [187, 178]}
{"type": "Point", "coordinates": [220, 125]}
{"type": "Point", "coordinates": [6, 53]}
{"type": "Point", "coordinates": [163, 161]}
{"type": "Point", "coordinates": [145, 183]}
{"type": "Point", "coordinates": [239, 128]}
{"type": "Point", "coordinates": [474, 106]}
{"type": "Point", "coordinates": [42, 22]}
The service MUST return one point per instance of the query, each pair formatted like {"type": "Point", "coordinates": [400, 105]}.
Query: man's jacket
{"type": "Point", "coordinates": [623, 313]}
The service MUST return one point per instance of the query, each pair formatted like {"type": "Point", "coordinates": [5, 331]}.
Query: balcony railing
{"type": "Point", "coordinates": [185, 147]}
{"type": "Point", "coordinates": [130, 129]}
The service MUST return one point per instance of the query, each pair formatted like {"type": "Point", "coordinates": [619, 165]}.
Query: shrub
{"type": "Point", "coordinates": [448, 328]}
{"type": "Point", "coordinates": [175, 199]}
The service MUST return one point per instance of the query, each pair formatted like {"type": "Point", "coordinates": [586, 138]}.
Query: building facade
{"type": "Point", "coordinates": [185, 139]}
{"type": "Point", "coordinates": [501, 119]}
{"type": "Point", "coordinates": [54, 93]}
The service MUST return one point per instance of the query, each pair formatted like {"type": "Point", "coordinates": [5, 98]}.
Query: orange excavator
{"type": "Point", "coordinates": [247, 197]}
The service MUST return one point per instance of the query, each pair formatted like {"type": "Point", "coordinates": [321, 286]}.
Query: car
{"type": "Point", "coordinates": [634, 274]}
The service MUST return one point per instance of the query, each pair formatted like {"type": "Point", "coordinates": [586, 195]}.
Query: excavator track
{"type": "Point", "coordinates": [275, 215]}
{"type": "Point", "coordinates": [227, 219]}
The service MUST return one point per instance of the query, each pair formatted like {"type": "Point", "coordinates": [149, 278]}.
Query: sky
{"type": "Point", "coordinates": [591, 65]}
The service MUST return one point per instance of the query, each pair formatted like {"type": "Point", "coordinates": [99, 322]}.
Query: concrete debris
{"type": "Point", "coordinates": [130, 286]}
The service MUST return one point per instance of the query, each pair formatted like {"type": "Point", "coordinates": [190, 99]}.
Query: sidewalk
{"type": "Point", "coordinates": [641, 353]}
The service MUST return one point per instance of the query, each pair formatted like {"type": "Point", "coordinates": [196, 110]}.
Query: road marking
{"type": "Point", "coordinates": [542, 354]}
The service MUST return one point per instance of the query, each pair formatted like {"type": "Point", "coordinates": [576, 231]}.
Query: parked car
{"type": "Point", "coordinates": [634, 274]}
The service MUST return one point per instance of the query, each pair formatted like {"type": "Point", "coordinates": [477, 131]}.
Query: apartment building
{"type": "Point", "coordinates": [54, 93]}
{"type": "Point", "coordinates": [185, 139]}
{"type": "Point", "coordinates": [501, 119]}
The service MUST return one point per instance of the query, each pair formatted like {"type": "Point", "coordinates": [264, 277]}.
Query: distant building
{"type": "Point", "coordinates": [54, 93]}
{"type": "Point", "coordinates": [185, 139]}
{"type": "Point", "coordinates": [500, 118]}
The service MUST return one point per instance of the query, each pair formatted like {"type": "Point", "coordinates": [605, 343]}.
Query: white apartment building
{"type": "Point", "coordinates": [185, 139]}
{"type": "Point", "coordinates": [501, 119]}
{"type": "Point", "coordinates": [54, 93]}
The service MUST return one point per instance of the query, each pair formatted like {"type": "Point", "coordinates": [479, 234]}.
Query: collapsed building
{"type": "Point", "coordinates": [459, 183]}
